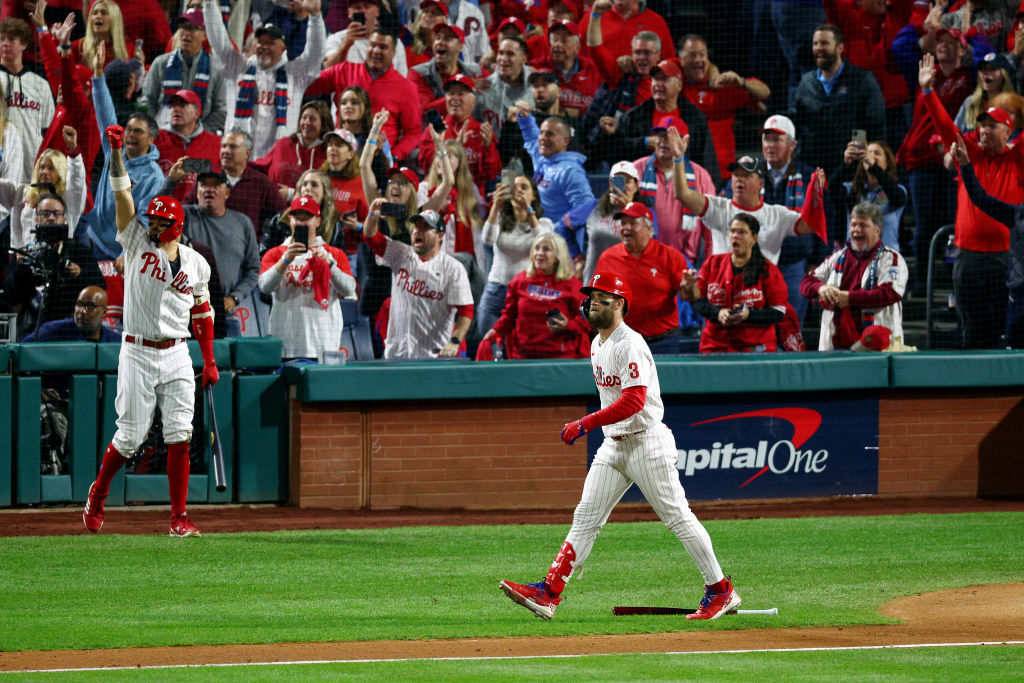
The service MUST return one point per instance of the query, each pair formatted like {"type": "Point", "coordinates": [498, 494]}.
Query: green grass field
{"type": "Point", "coordinates": [79, 591]}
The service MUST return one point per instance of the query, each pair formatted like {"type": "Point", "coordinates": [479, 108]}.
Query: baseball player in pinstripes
{"type": "Point", "coordinates": [637, 448]}
{"type": "Point", "coordinates": [165, 282]}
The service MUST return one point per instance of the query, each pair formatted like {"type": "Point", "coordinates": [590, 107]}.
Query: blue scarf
{"type": "Point", "coordinates": [867, 316]}
{"type": "Point", "coordinates": [649, 185]}
{"type": "Point", "coordinates": [172, 77]}
{"type": "Point", "coordinates": [247, 95]}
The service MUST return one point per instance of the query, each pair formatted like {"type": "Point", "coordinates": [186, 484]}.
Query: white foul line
{"type": "Point", "coordinates": [515, 657]}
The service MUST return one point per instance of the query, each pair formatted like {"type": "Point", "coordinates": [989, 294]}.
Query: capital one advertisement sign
{"type": "Point", "coordinates": [810, 447]}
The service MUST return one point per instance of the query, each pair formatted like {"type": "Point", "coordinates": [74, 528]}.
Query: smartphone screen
{"type": "Point", "coordinates": [619, 183]}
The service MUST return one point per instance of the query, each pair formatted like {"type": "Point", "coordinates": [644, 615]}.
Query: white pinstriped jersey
{"type": "Point", "coordinates": [157, 303]}
{"type": "Point", "coordinates": [623, 360]}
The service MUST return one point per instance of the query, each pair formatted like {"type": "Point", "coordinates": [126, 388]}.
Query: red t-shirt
{"type": "Point", "coordinates": [348, 195]}
{"type": "Point", "coordinates": [617, 33]}
{"type": "Point", "coordinates": [654, 278]}
{"type": "Point", "coordinates": [724, 288]}
{"type": "Point", "coordinates": [719, 106]}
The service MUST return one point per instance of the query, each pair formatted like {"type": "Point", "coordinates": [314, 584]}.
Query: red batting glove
{"type": "Point", "coordinates": [115, 134]}
{"type": "Point", "coordinates": [573, 431]}
{"type": "Point", "coordinates": [210, 375]}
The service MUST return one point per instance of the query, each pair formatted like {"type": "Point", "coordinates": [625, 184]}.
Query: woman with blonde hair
{"type": "Point", "coordinates": [313, 183]}
{"type": "Point", "coordinates": [104, 24]}
{"type": "Point", "coordinates": [12, 165]}
{"type": "Point", "coordinates": [993, 79]}
{"type": "Point", "coordinates": [342, 167]}
{"type": "Point", "coordinates": [465, 221]}
{"type": "Point", "coordinates": [868, 174]}
{"type": "Point", "coordinates": [541, 318]}
{"type": "Point", "coordinates": [418, 38]}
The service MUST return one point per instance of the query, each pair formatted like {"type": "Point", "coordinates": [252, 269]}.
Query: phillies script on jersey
{"type": "Point", "coordinates": [604, 380]}
{"type": "Point", "coordinates": [417, 287]}
{"type": "Point", "coordinates": [150, 261]}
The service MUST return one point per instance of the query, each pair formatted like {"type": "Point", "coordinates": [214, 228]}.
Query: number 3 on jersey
{"type": "Point", "coordinates": [634, 371]}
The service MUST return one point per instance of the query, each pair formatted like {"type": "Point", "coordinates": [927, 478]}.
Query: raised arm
{"type": "Point", "coordinates": [691, 199]}
{"type": "Point", "coordinates": [316, 40]}
{"type": "Point", "coordinates": [373, 138]}
{"type": "Point", "coordinates": [121, 184]}
{"type": "Point", "coordinates": [220, 43]}
{"type": "Point", "coordinates": [439, 197]}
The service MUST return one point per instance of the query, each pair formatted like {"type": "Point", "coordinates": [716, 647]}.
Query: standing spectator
{"type": "Point", "coordinates": [141, 160]}
{"type": "Point", "coordinates": [718, 98]}
{"type": "Point", "coordinates": [145, 20]}
{"type": "Point", "coordinates": [983, 243]}
{"type": "Point", "coordinates": [301, 151]}
{"type": "Point", "coordinates": [231, 236]}
{"type": "Point", "coordinates": [267, 87]}
{"type": "Point", "coordinates": [346, 190]}
{"type": "Point", "coordinates": [419, 37]}
{"type": "Point", "coordinates": [306, 282]}
{"type": "Point", "coordinates": [541, 317]}
{"type": "Point", "coordinates": [387, 88]}
{"type": "Point", "coordinates": [833, 100]}
{"type": "Point", "coordinates": [562, 182]}
{"type": "Point", "coordinates": [428, 289]}
{"type": "Point", "coordinates": [993, 79]}
{"type": "Point", "coordinates": [860, 285]}
{"type": "Point", "coordinates": [650, 267]}
{"type": "Point", "coordinates": [620, 20]}
{"type": "Point", "coordinates": [602, 226]}
{"type": "Point", "coordinates": [793, 20]}
{"type": "Point", "coordinates": [869, 175]}
{"type": "Point", "coordinates": [27, 94]}
{"type": "Point", "coordinates": [468, 17]}
{"type": "Point", "coordinates": [317, 186]}
{"type": "Point", "coordinates": [742, 294]}
{"type": "Point", "coordinates": [12, 168]}
{"type": "Point", "coordinates": [185, 136]}
{"type": "Point", "coordinates": [578, 77]}
{"type": "Point", "coordinates": [104, 24]}
{"type": "Point", "coordinates": [124, 81]}
{"type": "Point", "coordinates": [516, 219]}
{"type": "Point", "coordinates": [462, 216]}
{"type": "Point", "coordinates": [430, 77]}
{"type": "Point", "coordinates": [546, 102]}
{"type": "Point", "coordinates": [352, 44]}
{"type": "Point", "coordinates": [188, 67]}
{"type": "Point", "coordinates": [507, 85]}
{"type": "Point", "coordinates": [293, 20]}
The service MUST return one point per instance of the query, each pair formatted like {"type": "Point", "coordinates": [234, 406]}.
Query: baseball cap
{"type": "Point", "coordinates": [747, 163]}
{"type": "Point", "coordinates": [307, 204]}
{"type": "Point", "coordinates": [193, 16]}
{"type": "Point", "coordinates": [431, 218]}
{"type": "Point", "coordinates": [625, 167]}
{"type": "Point", "coordinates": [460, 79]}
{"type": "Point", "coordinates": [512, 21]}
{"type": "Point", "coordinates": [874, 338]}
{"type": "Point", "coordinates": [665, 122]}
{"type": "Point", "coordinates": [189, 97]}
{"type": "Point", "coordinates": [344, 135]}
{"type": "Point", "coordinates": [269, 29]}
{"type": "Point", "coordinates": [779, 124]}
{"type": "Point", "coordinates": [669, 68]}
{"type": "Point", "coordinates": [956, 34]}
{"type": "Point", "coordinates": [406, 172]}
{"type": "Point", "coordinates": [454, 30]}
{"type": "Point", "coordinates": [216, 175]}
{"type": "Point", "coordinates": [119, 71]}
{"type": "Point", "coordinates": [542, 73]}
{"type": "Point", "coordinates": [997, 114]}
{"type": "Point", "coordinates": [993, 61]}
{"type": "Point", "coordinates": [635, 210]}
{"type": "Point", "coordinates": [440, 6]}
{"type": "Point", "coordinates": [565, 25]}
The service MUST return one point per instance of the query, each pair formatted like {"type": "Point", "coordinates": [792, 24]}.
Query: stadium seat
{"type": "Point", "coordinates": [355, 335]}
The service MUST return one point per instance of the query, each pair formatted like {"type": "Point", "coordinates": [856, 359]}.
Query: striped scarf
{"type": "Point", "coordinates": [172, 77]}
{"type": "Point", "coordinates": [649, 185]}
{"type": "Point", "coordinates": [246, 101]}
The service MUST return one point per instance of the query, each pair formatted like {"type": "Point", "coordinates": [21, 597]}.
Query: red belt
{"type": "Point", "coordinates": [165, 344]}
{"type": "Point", "coordinates": [626, 436]}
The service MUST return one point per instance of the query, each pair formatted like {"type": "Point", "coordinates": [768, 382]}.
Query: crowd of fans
{"type": "Point", "coordinates": [436, 161]}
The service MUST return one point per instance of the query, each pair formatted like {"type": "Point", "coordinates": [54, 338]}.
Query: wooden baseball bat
{"type": "Point", "coordinates": [624, 611]}
{"type": "Point", "coordinates": [219, 479]}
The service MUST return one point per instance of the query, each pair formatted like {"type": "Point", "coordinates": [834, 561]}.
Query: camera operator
{"type": "Point", "coordinates": [54, 265]}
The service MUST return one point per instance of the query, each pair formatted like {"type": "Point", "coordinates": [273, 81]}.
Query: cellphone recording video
{"type": "Point", "coordinates": [359, 17]}
{"type": "Point", "coordinates": [554, 313]}
{"type": "Point", "coordinates": [508, 179]}
{"type": "Point", "coordinates": [196, 165]}
{"type": "Point", "coordinates": [436, 121]}
{"type": "Point", "coordinates": [619, 183]}
{"type": "Point", "coordinates": [392, 210]}
{"type": "Point", "coordinates": [859, 136]}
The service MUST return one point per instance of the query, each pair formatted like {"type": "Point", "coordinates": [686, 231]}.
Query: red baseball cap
{"type": "Point", "coordinates": [440, 6]}
{"type": "Point", "coordinates": [454, 30]}
{"type": "Point", "coordinates": [635, 210]}
{"type": "Point", "coordinates": [668, 67]}
{"type": "Point", "coordinates": [956, 34]}
{"type": "Point", "coordinates": [307, 204]}
{"type": "Point", "coordinates": [874, 338]}
{"type": "Point", "coordinates": [512, 21]}
{"type": "Point", "coordinates": [997, 114]}
{"type": "Point", "coordinates": [666, 122]}
{"type": "Point", "coordinates": [189, 97]}
{"type": "Point", "coordinates": [565, 25]}
{"type": "Point", "coordinates": [406, 173]}
{"type": "Point", "coordinates": [460, 79]}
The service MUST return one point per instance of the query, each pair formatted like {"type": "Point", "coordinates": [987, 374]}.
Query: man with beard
{"type": "Point", "coordinates": [509, 83]}
{"type": "Point", "coordinates": [546, 102]}
{"type": "Point", "coordinates": [833, 100]}
{"type": "Point", "coordinates": [637, 448]}
{"type": "Point", "coordinates": [578, 77]}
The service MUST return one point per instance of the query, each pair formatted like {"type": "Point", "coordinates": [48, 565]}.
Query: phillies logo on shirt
{"type": "Point", "coordinates": [152, 261]}
{"type": "Point", "coordinates": [417, 287]}
{"type": "Point", "coordinates": [180, 283]}
{"type": "Point", "coordinates": [603, 380]}
{"type": "Point", "coordinates": [267, 98]}
{"type": "Point", "coordinates": [18, 99]}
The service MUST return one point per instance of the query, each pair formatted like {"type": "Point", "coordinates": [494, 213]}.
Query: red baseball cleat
{"type": "Point", "coordinates": [182, 527]}
{"type": "Point", "coordinates": [533, 596]}
{"type": "Point", "coordinates": [93, 513]}
{"type": "Point", "coordinates": [714, 604]}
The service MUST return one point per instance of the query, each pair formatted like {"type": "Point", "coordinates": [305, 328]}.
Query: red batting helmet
{"type": "Point", "coordinates": [612, 284]}
{"type": "Point", "coordinates": [169, 208]}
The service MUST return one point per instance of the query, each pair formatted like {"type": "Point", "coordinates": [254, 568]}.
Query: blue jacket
{"type": "Point", "coordinates": [144, 171]}
{"type": "Point", "coordinates": [561, 180]}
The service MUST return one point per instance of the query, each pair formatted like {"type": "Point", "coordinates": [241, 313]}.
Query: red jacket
{"type": "Point", "coordinates": [391, 90]}
{"type": "Point", "coordinates": [952, 90]}
{"type": "Point", "coordinates": [725, 289]}
{"type": "Point", "coordinates": [868, 38]}
{"type": "Point", "coordinates": [523, 322]}
{"type": "Point", "coordinates": [617, 33]}
{"type": "Point", "coordinates": [654, 278]}
{"type": "Point", "coordinates": [288, 159]}
{"type": "Point", "coordinates": [720, 106]}
{"type": "Point", "coordinates": [172, 147]}
{"type": "Point", "coordinates": [484, 162]}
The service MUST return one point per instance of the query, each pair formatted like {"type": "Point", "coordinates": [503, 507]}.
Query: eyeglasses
{"type": "Point", "coordinates": [87, 306]}
{"type": "Point", "coordinates": [49, 214]}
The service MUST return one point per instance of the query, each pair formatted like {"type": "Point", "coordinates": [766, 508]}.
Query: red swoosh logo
{"type": "Point", "coordinates": [804, 420]}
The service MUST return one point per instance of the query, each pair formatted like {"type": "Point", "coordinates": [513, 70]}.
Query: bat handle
{"type": "Point", "coordinates": [773, 611]}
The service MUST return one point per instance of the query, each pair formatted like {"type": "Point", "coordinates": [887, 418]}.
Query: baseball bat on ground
{"type": "Point", "coordinates": [624, 611]}
{"type": "Point", "coordinates": [218, 453]}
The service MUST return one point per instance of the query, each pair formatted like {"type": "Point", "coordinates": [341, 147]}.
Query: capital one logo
{"type": "Point", "coordinates": [783, 456]}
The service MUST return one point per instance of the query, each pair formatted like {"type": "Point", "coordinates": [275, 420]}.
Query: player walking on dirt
{"type": "Point", "coordinates": [637, 448]}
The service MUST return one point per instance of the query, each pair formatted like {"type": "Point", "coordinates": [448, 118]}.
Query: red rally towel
{"type": "Point", "coordinates": [321, 270]}
{"type": "Point", "coordinates": [813, 211]}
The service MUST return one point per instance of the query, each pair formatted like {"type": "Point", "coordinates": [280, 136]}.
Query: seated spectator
{"type": "Point", "coordinates": [53, 173]}
{"type": "Point", "coordinates": [419, 38]}
{"type": "Point", "coordinates": [477, 139]}
{"type": "Point", "coordinates": [306, 283]}
{"type": "Point", "coordinates": [463, 215]}
{"type": "Point", "coordinates": [431, 302]}
{"type": "Point", "coordinates": [509, 83]}
{"type": "Point", "coordinates": [266, 88]}
{"type": "Point", "coordinates": [559, 173]}
{"type": "Point", "coordinates": [301, 151]}
{"type": "Point", "coordinates": [541, 317]}
{"type": "Point", "coordinates": [346, 189]}
{"type": "Point", "coordinates": [188, 67]}
{"type": "Point", "coordinates": [431, 76]}
{"type": "Point", "coordinates": [515, 221]}
{"type": "Point", "coordinates": [185, 136]}
{"type": "Point", "coordinates": [741, 294]}
{"type": "Point", "coordinates": [352, 44]}
{"type": "Point", "coordinates": [55, 262]}
{"type": "Point", "coordinates": [993, 79]}
{"type": "Point", "coordinates": [35, 108]}
{"type": "Point", "coordinates": [578, 77]}
{"type": "Point", "coordinates": [104, 24]}
{"type": "Point", "coordinates": [85, 325]}
{"type": "Point", "coordinates": [718, 97]}
{"type": "Point", "coordinates": [869, 175]}
{"type": "Point", "coordinates": [653, 268]}
{"type": "Point", "coordinates": [12, 166]}
{"type": "Point", "coordinates": [620, 20]}
{"type": "Point", "coordinates": [862, 284]}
